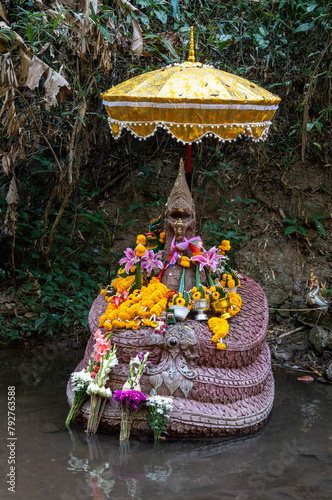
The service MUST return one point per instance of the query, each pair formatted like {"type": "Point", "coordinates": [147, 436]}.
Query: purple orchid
{"type": "Point", "coordinates": [130, 259]}
{"type": "Point", "coordinates": [210, 258]}
{"type": "Point", "coordinates": [151, 260]}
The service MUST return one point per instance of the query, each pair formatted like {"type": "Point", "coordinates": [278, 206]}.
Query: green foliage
{"type": "Point", "coordinates": [296, 225]}
{"type": "Point", "coordinates": [276, 44]}
{"type": "Point", "coordinates": [81, 264]}
{"type": "Point", "coordinates": [228, 225]}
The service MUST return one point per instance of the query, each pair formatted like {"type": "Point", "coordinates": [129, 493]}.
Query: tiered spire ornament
{"type": "Point", "coordinates": [191, 57]}
{"type": "Point", "coordinates": [180, 222]}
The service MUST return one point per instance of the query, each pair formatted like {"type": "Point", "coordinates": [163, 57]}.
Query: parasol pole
{"type": "Point", "coordinates": [188, 169]}
{"type": "Point", "coordinates": [191, 58]}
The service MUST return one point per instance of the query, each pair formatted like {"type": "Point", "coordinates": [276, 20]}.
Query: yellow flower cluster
{"type": "Point", "coordinates": [235, 299]}
{"type": "Point", "coordinates": [179, 300]}
{"type": "Point", "coordinates": [220, 328]}
{"type": "Point", "coordinates": [140, 250]}
{"type": "Point", "coordinates": [196, 295]}
{"type": "Point", "coordinates": [141, 239]}
{"type": "Point", "coordinates": [185, 261]}
{"type": "Point", "coordinates": [121, 284]}
{"type": "Point", "coordinates": [228, 281]}
{"type": "Point", "coordinates": [224, 247]}
{"type": "Point", "coordinates": [137, 309]}
{"type": "Point", "coordinates": [162, 237]}
{"type": "Point", "coordinates": [236, 303]}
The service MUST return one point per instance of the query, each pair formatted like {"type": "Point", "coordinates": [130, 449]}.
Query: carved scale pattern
{"type": "Point", "coordinates": [233, 390]}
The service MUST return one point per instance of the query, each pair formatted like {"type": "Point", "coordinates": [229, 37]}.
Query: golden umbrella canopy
{"type": "Point", "coordinates": [190, 100]}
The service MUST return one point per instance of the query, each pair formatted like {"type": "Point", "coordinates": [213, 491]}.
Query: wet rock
{"type": "Point", "coordinates": [315, 317]}
{"type": "Point", "coordinates": [320, 338]}
{"type": "Point", "coordinates": [49, 427]}
{"type": "Point", "coordinates": [328, 372]}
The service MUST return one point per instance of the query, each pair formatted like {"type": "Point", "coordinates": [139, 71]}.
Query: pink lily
{"type": "Point", "coordinates": [151, 260]}
{"type": "Point", "coordinates": [210, 258]}
{"type": "Point", "coordinates": [130, 259]}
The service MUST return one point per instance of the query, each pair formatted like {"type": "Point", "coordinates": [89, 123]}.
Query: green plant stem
{"type": "Point", "coordinates": [96, 410]}
{"type": "Point", "coordinates": [126, 421]}
{"type": "Point", "coordinates": [79, 399]}
{"type": "Point", "coordinates": [209, 279]}
{"type": "Point", "coordinates": [138, 277]}
{"type": "Point", "coordinates": [198, 281]}
{"type": "Point", "coordinates": [182, 281]}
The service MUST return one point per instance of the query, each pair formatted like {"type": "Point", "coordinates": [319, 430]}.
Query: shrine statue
{"type": "Point", "coordinates": [180, 223]}
{"type": "Point", "coordinates": [215, 366]}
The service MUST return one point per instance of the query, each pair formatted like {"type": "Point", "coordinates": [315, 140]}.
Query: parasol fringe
{"type": "Point", "coordinates": [246, 131]}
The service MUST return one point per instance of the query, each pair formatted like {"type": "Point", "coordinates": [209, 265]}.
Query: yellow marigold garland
{"type": "Point", "coordinates": [140, 250]}
{"type": "Point", "coordinates": [137, 309]}
{"type": "Point", "coordinates": [185, 261]}
{"type": "Point", "coordinates": [141, 239]}
{"type": "Point", "coordinates": [220, 326]}
{"type": "Point", "coordinates": [121, 284]}
{"type": "Point", "coordinates": [235, 299]}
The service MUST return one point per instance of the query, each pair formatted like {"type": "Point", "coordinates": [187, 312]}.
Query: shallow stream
{"type": "Point", "coordinates": [291, 458]}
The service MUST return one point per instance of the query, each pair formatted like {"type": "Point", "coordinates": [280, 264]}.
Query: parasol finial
{"type": "Point", "coordinates": [191, 57]}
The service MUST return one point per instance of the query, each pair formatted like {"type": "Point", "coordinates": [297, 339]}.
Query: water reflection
{"type": "Point", "coordinates": [291, 458]}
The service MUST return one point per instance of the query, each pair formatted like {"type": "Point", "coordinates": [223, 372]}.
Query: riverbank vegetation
{"type": "Point", "coordinates": [70, 193]}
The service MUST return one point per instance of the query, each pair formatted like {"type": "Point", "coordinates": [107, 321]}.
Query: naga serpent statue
{"type": "Point", "coordinates": [216, 392]}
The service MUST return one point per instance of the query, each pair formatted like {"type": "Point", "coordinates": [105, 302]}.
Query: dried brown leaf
{"type": "Point", "coordinates": [56, 89]}
{"type": "Point", "coordinates": [11, 198]}
{"type": "Point", "coordinates": [5, 163]}
{"type": "Point", "coordinates": [11, 121]}
{"type": "Point", "coordinates": [12, 195]}
{"type": "Point", "coordinates": [56, 86]}
{"type": "Point", "coordinates": [128, 6]}
{"type": "Point", "coordinates": [7, 74]}
{"type": "Point", "coordinates": [136, 47]}
{"type": "Point", "coordinates": [2, 13]}
{"type": "Point", "coordinates": [31, 71]}
{"type": "Point", "coordinates": [30, 314]}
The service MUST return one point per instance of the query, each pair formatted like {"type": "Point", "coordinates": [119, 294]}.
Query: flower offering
{"type": "Point", "coordinates": [159, 409]}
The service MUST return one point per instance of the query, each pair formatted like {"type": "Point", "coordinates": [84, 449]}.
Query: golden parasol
{"type": "Point", "coordinates": [190, 100]}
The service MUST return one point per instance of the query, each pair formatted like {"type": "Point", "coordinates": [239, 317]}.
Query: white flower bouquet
{"type": "Point", "coordinates": [80, 381]}
{"type": "Point", "coordinates": [159, 409]}
{"type": "Point", "coordinates": [97, 389]}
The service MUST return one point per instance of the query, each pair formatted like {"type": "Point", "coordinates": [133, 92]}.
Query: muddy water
{"type": "Point", "coordinates": [290, 459]}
